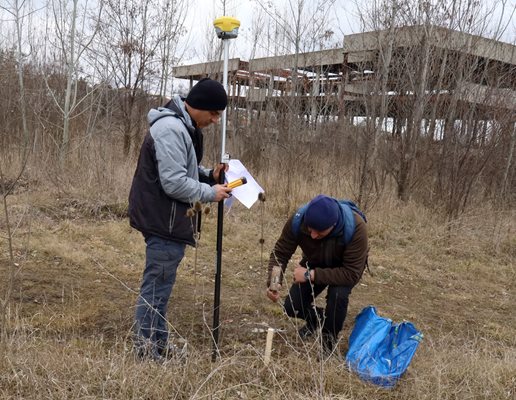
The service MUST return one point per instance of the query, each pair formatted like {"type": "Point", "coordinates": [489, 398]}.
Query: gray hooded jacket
{"type": "Point", "coordinates": [166, 181]}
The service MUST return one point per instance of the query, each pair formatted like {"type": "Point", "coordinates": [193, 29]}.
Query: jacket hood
{"type": "Point", "coordinates": [175, 107]}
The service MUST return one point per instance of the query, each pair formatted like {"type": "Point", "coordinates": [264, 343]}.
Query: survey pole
{"type": "Point", "coordinates": [226, 29]}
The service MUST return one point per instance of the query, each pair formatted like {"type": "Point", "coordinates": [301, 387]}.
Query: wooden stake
{"type": "Point", "coordinates": [268, 346]}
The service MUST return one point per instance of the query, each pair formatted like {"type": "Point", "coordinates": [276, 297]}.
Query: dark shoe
{"type": "Point", "coordinates": [327, 348]}
{"type": "Point", "coordinates": [142, 354]}
{"type": "Point", "coordinates": [174, 352]}
{"type": "Point", "coordinates": [328, 345]}
{"type": "Point", "coordinates": [305, 332]}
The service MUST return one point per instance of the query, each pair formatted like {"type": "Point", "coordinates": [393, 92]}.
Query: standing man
{"type": "Point", "coordinates": [167, 181]}
{"type": "Point", "coordinates": [333, 239]}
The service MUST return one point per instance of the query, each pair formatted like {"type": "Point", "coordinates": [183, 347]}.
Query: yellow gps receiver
{"type": "Point", "coordinates": [226, 27]}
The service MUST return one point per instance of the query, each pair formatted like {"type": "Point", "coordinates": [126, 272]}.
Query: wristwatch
{"type": "Point", "coordinates": [307, 275]}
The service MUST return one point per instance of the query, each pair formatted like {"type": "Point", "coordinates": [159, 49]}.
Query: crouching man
{"type": "Point", "coordinates": [333, 238]}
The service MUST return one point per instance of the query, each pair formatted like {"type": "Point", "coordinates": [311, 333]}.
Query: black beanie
{"type": "Point", "coordinates": [208, 94]}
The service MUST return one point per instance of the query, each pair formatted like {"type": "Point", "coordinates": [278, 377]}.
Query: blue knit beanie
{"type": "Point", "coordinates": [321, 213]}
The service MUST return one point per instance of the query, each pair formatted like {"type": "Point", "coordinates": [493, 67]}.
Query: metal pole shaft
{"type": "Point", "coordinates": [223, 155]}
{"type": "Point", "coordinates": [220, 220]}
{"type": "Point", "coordinates": [218, 276]}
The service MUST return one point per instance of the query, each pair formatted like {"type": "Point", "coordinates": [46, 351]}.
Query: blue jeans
{"type": "Point", "coordinates": [162, 260]}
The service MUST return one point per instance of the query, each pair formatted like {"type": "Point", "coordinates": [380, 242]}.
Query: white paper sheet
{"type": "Point", "coordinates": [247, 194]}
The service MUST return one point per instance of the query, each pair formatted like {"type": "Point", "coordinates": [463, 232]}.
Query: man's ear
{"type": "Point", "coordinates": [190, 110]}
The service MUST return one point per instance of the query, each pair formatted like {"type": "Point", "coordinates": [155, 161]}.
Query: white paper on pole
{"type": "Point", "coordinates": [247, 194]}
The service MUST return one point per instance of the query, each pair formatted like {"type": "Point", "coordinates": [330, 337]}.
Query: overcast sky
{"type": "Point", "coordinates": [343, 21]}
{"type": "Point", "coordinates": [201, 14]}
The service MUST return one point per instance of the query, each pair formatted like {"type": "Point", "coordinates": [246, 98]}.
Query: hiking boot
{"type": "Point", "coordinates": [328, 344]}
{"type": "Point", "coordinates": [145, 350]}
{"type": "Point", "coordinates": [145, 354]}
{"type": "Point", "coordinates": [305, 332]}
{"type": "Point", "coordinates": [174, 352]}
{"type": "Point", "coordinates": [327, 348]}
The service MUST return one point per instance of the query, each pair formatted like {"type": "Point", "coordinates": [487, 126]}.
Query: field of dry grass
{"type": "Point", "coordinates": [78, 267]}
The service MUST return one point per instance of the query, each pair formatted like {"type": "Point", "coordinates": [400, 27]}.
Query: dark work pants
{"type": "Point", "coordinates": [300, 304]}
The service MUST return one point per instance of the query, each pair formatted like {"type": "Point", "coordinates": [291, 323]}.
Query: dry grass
{"type": "Point", "coordinates": [79, 266]}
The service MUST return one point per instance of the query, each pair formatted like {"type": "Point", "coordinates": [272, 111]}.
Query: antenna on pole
{"type": "Point", "coordinates": [226, 28]}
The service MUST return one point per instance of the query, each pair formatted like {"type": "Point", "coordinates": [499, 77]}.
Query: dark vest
{"type": "Point", "coordinates": [151, 210]}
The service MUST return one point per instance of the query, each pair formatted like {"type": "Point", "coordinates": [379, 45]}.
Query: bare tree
{"type": "Point", "coordinates": [298, 27]}
{"type": "Point", "coordinates": [18, 10]}
{"type": "Point", "coordinates": [431, 87]}
{"type": "Point", "coordinates": [71, 43]}
{"type": "Point", "coordinates": [290, 92]}
{"type": "Point", "coordinates": [171, 27]}
{"type": "Point", "coordinates": [129, 43]}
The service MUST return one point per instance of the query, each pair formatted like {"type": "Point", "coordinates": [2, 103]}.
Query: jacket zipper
{"type": "Point", "coordinates": [172, 217]}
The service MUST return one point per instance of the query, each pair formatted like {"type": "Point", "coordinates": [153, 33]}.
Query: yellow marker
{"type": "Point", "coordinates": [239, 182]}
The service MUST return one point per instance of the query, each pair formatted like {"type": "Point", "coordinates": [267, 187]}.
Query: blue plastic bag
{"type": "Point", "coordinates": [380, 351]}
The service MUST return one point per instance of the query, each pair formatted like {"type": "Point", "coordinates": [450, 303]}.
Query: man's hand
{"type": "Point", "coordinates": [217, 169]}
{"type": "Point", "coordinates": [299, 274]}
{"type": "Point", "coordinates": [221, 192]}
{"type": "Point", "coordinates": [274, 295]}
